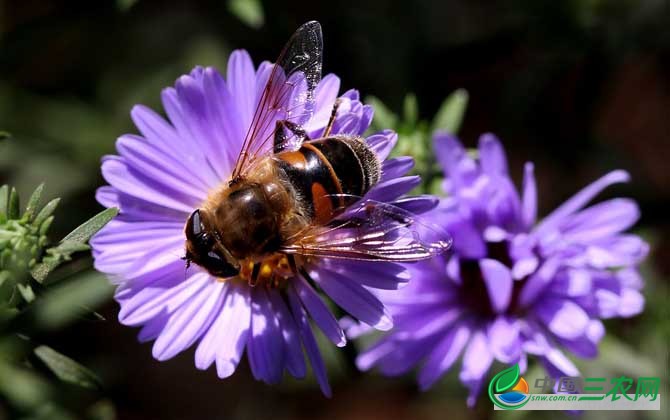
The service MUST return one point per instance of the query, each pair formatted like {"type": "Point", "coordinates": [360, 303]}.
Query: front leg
{"type": "Point", "coordinates": [281, 137]}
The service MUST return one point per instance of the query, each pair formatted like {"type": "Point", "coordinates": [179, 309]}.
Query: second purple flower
{"type": "Point", "coordinates": [514, 285]}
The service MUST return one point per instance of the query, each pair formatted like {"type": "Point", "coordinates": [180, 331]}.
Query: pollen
{"type": "Point", "coordinates": [271, 271]}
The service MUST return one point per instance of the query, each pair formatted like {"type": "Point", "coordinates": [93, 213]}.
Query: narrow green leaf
{"type": "Point", "coordinates": [410, 110]}
{"type": "Point", "coordinates": [33, 202]}
{"type": "Point", "coordinates": [13, 205]}
{"type": "Point", "coordinates": [26, 292]}
{"type": "Point", "coordinates": [89, 228]}
{"type": "Point", "coordinates": [69, 248]}
{"type": "Point", "coordinates": [248, 11]}
{"type": "Point", "coordinates": [450, 115]}
{"type": "Point", "coordinates": [65, 302]}
{"type": "Point", "coordinates": [383, 116]}
{"type": "Point", "coordinates": [22, 387]}
{"type": "Point", "coordinates": [4, 135]}
{"type": "Point", "coordinates": [4, 197]}
{"type": "Point", "coordinates": [66, 369]}
{"type": "Point", "coordinates": [46, 212]}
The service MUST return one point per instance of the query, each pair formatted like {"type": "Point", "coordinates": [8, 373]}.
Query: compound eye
{"type": "Point", "coordinates": [196, 223]}
{"type": "Point", "coordinates": [219, 266]}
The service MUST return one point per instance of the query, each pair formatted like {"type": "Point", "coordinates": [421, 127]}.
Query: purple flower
{"type": "Point", "coordinates": [159, 177]}
{"type": "Point", "coordinates": [513, 286]}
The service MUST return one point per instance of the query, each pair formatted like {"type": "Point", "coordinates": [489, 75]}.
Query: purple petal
{"type": "Point", "coordinates": [504, 339]}
{"type": "Point", "coordinates": [468, 241]}
{"type": "Point", "coordinates": [563, 317]}
{"type": "Point", "coordinates": [189, 322]}
{"type": "Point", "coordinates": [119, 243]}
{"type": "Point", "coordinates": [354, 299]}
{"type": "Point", "coordinates": [163, 136]}
{"type": "Point", "coordinates": [443, 356]}
{"type": "Point", "coordinates": [318, 310]}
{"type": "Point", "coordinates": [324, 98]}
{"type": "Point", "coordinates": [405, 355]}
{"type": "Point", "coordinates": [419, 326]}
{"type": "Point", "coordinates": [295, 362]}
{"type": "Point", "coordinates": [265, 347]}
{"type": "Point", "coordinates": [396, 167]}
{"type": "Point", "coordinates": [382, 143]}
{"type": "Point", "coordinates": [579, 200]}
{"type": "Point", "coordinates": [417, 204]}
{"type": "Point", "coordinates": [152, 329]}
{"type": "Point", "coordinates": [538, 282]}
{"type": "Point", "coordinates": [389, 190]}
{"type": "Point", "coordinates": [492, 155]}
{"type": "Point", "coordinates": [558, 365]}
{"type": "Point", "coordinates": [376, 352]}
{"type": "Point", "coordinates": [141, 156]}
{"type": "Point", "coordinates": [117, 173]}
{"type": "Point", "coordinates": [379, 275]}
{"type": "Point", "coordinates": [241, 78]}
{"type": "Point", "coordinates": [203, 129]}
{"type": "Point", "coordinates": [311, 348]}
{"type": "Point", "coordinates": [162, 296]}
{"type": "Point", "coordinates": [454, 160]}
{"type": "Point", "coordinates": [226, 338]}
{"type": "Point", "coordinates": [529, 196]}
{"type": "Point", "coordinates": [601, 220]}
{"type": "Point", "coordinates": [572, 282]}
{"type": "Point", "coordinates": [477, 360]}
{"type": "Point", "coordinates": [498, 281]}
{"type": "Point", "coordinates": [631, 303]}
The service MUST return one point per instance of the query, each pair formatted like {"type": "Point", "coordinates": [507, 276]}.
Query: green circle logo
{"type": "Point", "coordinates": [508, 389]}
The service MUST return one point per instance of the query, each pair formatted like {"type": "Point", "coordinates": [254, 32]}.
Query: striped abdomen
{"type": "Point", "coordinates": [322, 169]}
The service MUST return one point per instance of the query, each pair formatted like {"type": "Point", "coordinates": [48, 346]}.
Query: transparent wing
{"type": "Point", "coordinates": [371, 230]}
{"type": "Point", "coordinates": [288, 94]}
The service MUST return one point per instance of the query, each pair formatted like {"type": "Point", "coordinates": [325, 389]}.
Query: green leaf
{"type": "Point", "coordinates": [33, 202]}
{"type": "Point", "coordinates": [46, 212]}
{"type": "Point", "coordinates": [22, 387]}
{"type": "Point", "coordinates": [450, 115]}
{"type": "Point", "coordinates": [73, 242]}
{"type": "Point", "coordinates": [65, 302]}
{"type": "Point", "coordinates": [248, 11]}
{"type": "Point", "coordinates": [66, 369]}
{"type": "Point", "coordinates": [89, 228]}
{"type": "Point", "coordinates": [125, 5]}
{"type": "Point", "coordinates": [102, 410]}
{"type": "Point", "coordinates": [26, 292]}
{"type": "Point", "coordinates": [383, 116]}
{"type": "Point", "coordinates": [4, 196]}
{"type": "Point", "coordinates": [4, 135]}
{"type": "Point", "coordinates": [506, 379]}
{"type": "Point", "coordinates": [410, 110]}
{"type": "Point", "coordinates": [13, 211]}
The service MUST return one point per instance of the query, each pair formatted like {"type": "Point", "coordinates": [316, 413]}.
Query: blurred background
{"type": "Point", "coordinates": [579, 87]}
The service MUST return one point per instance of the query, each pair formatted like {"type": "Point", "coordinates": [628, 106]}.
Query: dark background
{"type": "Point", "coordinates": [578, 87]}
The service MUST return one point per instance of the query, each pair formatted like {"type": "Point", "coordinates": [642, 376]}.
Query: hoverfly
{"type": "Point", "coordinates": [292, 198]}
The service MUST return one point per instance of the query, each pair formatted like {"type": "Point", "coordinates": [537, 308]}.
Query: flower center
{"type": "Point", "coordinates": [474, 293]}
{"type": "Point", "coordinates": [271, 271]}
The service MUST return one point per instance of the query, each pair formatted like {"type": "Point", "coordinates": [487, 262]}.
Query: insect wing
{"type": "Point", "coordinates": [288, 94]}
{"type": "Point", "coordinates": [370, 230]}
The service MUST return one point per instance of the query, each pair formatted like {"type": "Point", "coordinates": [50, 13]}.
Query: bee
{"type": "Point", "coordinates": [297, 198]}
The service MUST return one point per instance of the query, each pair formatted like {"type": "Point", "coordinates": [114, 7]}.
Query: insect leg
{"type": "Point", "coordinates": [253, 278]}
{"type": "Point", "coordinates": [331, 121]}
{"type": "Point", "coordinates": [281, 137]}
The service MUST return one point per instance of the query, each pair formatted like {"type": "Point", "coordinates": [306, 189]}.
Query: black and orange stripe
{"type": "Point", "coordinates": [324, 168]}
